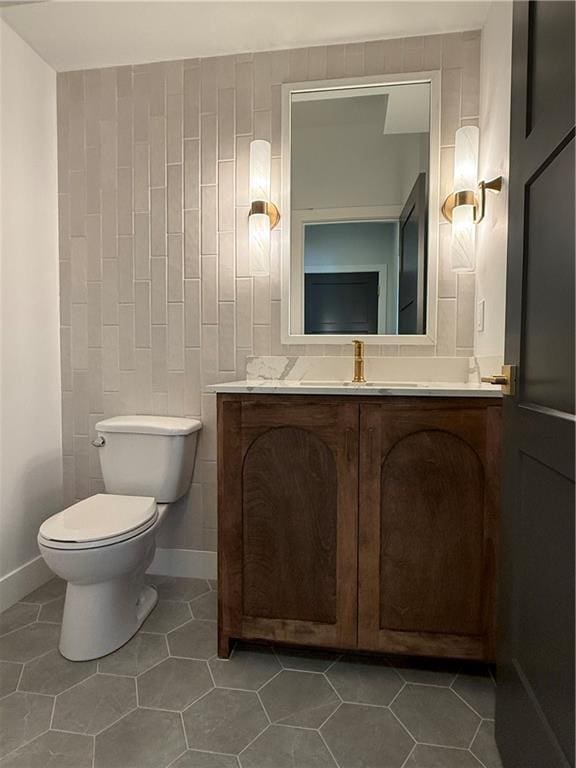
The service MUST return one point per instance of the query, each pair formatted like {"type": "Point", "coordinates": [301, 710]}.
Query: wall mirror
{"type": "Point", "coordinates": [360, 210]}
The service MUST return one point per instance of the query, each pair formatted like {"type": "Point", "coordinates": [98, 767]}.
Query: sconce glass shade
{"type": "Point", "coordinates": [260, 165]}
{"type": "Point", "coordinates": [259, 234]}
{"type": "Point", "coordinates": [463, 247]}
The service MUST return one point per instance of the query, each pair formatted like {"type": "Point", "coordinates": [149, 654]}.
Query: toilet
{"type": "Point", "coordinates": [103, 545]}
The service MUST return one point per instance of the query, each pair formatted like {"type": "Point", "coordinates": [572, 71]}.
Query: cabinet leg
{"type": "Point", "coordinates": [224, 646]}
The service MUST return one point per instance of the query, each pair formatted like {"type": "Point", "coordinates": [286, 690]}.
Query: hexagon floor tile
{"type": "Point", "coordinates": [361, 736]}
{"type": "Point", "coordinates": [248, 668]}
{"type": "Point", "coordinates": [95, 704]}
{"type": "Point", "coordinates": [283, 747]}
{"type": "Point", "coordinates": [436, 716]}
{"type": "Point", "coordinates": [174, 684]}
{"type": "Point", "coordinates": [52, 673]}
{"type": "Point", "coordinates": [145, 738]}
{"type": "Point", "coordinates": [134, 707]}
{"type": "Point", "coordinates": [224, 721]}
{"type": "Point", "coordinates": [303, 699]}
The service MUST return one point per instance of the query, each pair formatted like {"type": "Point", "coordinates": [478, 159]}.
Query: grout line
{"type": "Point", "coordinates": [328, 748]}
{"type": "Point", "coordinates": [470, 707]}
{"type": "Point", "coordinates": [255, 738]}
{"type": "Point", "coordinates": [476, 732]}
{"type": "Point", "coordinates": [125, 714]}
{"type": "Point", "coordinates": [408, 756]}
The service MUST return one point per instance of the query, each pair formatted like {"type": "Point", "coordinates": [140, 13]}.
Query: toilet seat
{"type": "Point", "coordinates": [99, 521]}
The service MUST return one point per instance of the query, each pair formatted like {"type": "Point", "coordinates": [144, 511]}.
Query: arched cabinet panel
{"type": "Point", "coordinates": [429, 494]}
{"type": "Point", "coordinates": [290, 525]}
{"type": "Point", "coordinates": [288, 517]}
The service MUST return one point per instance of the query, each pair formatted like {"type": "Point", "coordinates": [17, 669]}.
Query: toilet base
{"type": "Point", "coordinates": [100, 618]}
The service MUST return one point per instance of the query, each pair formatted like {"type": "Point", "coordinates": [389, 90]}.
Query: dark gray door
{"type": "Point", "coordinates": [535, 695]}
{"type": "Point", "coordinates": [341, 302]}
{"type": "Point", "coordinates": [412, 262]}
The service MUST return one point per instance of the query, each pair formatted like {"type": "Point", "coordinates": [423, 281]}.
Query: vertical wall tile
{"type": "Point", "coordinates": [226, 267]}
{"type": "Point", "coordinates": [226, 337]}
{"type": "Point", "coordinates": [465, 306]}
{"type": "Point", "coordinates": [158, 292]}
{"type": "Point", "coordinates": [175, 337]}
{"type": "Point", "coordinates": [450, 111]}
{"type": "Point", "coordinates": [192, 313]}
{"type": "Point", "coordinates": [125, 201]}
{"type": "Point", "coordinates": [158, 222]}
{"type": "Point", "coordinates": [141, 246]}
{"type": "Point", "coordinates": [354, 59]}
{"type": "Point", "coordinates": [209, 220]}
{"type": "Point", "coordinates": [174, 198]}
{"type": "Point", "coordinates": [193, 383]}
{"type": "Point", "coordinates": [76, 143]}
{"type": "Point", "coordinates": [192, 244]}
{"type": "Point", "coordinates": [79, 324]}
{"type": "Point", "coordinates": [110, 358]}
{"type": "Point", "coordinates": [374, 57]}
{"type": "Point", "coordinates": [157, 89]}
{"type": "Point", "coordinates": [159, 359]}
{"type": "Point", "coordinates": [244, 312]}
{"type": "Point", "coordinates": [175, 268]}
{"type": "Point", "coordinates": [226, 124]}
{"type": "Point", "coordinates": [126, 337]}
{"type": "Point", "coordinates": [209, 290]}
{"type": "Point", "coordinates": [262, 301]}
{"type": "Point", "coordinates": [244, 97]}
{"type": "Point", "coordinates": [93, 179]}
{"type": "Point", "coordinates": [470, 106]}
{"type": "Point", "coordinates": [78, 259]}
{"type": "Point", "coordinates": [125, 269]}
{"type": "Point", "coordinates": [174, 129]}
{"type": "Point", "coordinates": [77, 202]}
{"type": "Point", "coordinates": [446, 335]}
{"type": "Point", "coordinates": [124, 137]}
{"type": "Point", "coordinates": [109, 292]}
{"type": "Point", "coordinates": [335, 61]}
{"type": "Point", "coordinates": [208, 85]}
{"type": "Point", "coordinates": [191, 173]}
{"type": "Point", "coordinates": [141, 106]}
{"type": "Point", "coordinates": [209, 149]}
{"type": "Point", "coordinates": [141, 177]}
{"type": "Point", "coordinates": [157, 152]}
{"type": "Point", "coordinates": [94, 318]}
{"type": "Point", "coordinates": [226, 202]}
{"type": "Point", "coordinates": [191, 103]}
{"type": "Point", "coordinates": [262, 81]}
{"type": "Point", "coordinates": [142, 314]}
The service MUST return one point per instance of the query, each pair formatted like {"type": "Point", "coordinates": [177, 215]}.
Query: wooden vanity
{"type": "Point", "coordinates": [359, 522]}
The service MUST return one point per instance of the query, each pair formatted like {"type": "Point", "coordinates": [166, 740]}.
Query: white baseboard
{"type": "Point", "coordinates": [23, 580]}
{"type": "Point", "coordinates": [191, 563]}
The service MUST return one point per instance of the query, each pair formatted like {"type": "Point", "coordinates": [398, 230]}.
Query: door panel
{"type": "Point", "coordinates": [288, 517]}
{"type": "Point", "coordinates": [428, 515]}
{"type": "Point", "coordinates": [535, 694]}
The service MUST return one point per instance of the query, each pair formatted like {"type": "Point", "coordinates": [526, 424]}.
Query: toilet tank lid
{"type": "Point", "coordinates": [149, 425]}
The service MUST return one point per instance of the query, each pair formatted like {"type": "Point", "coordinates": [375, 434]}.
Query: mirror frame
{"type": "Point", "coordinates": [429, 338]}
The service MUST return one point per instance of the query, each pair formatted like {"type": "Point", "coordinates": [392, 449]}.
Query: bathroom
{"type": "Point", "coordinates": [262, 499]}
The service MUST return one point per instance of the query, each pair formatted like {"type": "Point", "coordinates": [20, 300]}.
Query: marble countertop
{"type": "Point", "coordinates": [377, 388]}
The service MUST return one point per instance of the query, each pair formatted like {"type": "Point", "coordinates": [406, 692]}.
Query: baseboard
{"type": "Point", "coordinates": [23, 580]}
{"type": "Point", "coordinates": [191, 563]}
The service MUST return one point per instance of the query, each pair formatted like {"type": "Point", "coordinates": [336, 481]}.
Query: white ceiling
{"type": "Point", "coordinates": [80, 34]}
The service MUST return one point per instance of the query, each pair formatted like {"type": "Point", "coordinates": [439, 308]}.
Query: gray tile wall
{"type": "Point", "coordinates": [156, 295]}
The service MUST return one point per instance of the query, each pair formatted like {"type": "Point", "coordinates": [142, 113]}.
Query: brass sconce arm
{"type": "Point", "coordinates": [476, 199]}
{"type": "Point", "coordinates": [269, 209]}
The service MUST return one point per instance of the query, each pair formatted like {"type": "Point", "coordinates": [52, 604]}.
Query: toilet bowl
{"type": "Point", "coordinates": [103, 545]}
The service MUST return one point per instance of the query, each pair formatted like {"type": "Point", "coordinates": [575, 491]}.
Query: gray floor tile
{"type": "Point", "coordinates": [364, 680]}
{"type": "Point", "coordinates": [284, 747]}
{"type": "Point", "coordinates": [306, 660]}
{"type": "Point", "coordinates": [436, 716]}
{"type": "Point", "coordinates": [19, 615]}
{"type": "Point", "coordinates": [29, 643]}
{"type": "Point", "coordinates": [426, 671]}
{"type": "Point", "coordinates": [53, 750]}
{"type": "Point", "coordinates": [23, 716]}
{"type": "Point", "coordinates": [174, 684]}
{"type": "Point", "coordinates": [195, 640]}
{"type": "Point", "coordinates": [299, 698]}
{"type": "Point", "coordinates": [484, 746]}
{"type": "Point", "coordinates": [213, 584]}
{"type": "Point", "coordinates": [361, 736]}
{"type": "Point", "coordinates": [143, 739]}
{"type": "Point", "coordinates": [166, 616]}
{"type": "Point", "coordinates": [52, 673]}
{"type": "Point", "coordinates": [47, 592]}
{"type": "Point", "coordinates": [477, 688]}
{"type": "Point", "coordinates": [94, 704]}
{"type": "Point", "coordinates": [174, 588]}
{"type": "Point", "coordinates": [194, 759]}
{"type": "Point", "coordinates": [9, 675]}
{"type": "Point", "coordinates": [52, 611]}
{"type": "Point", "coordinates": [205, 607]}
{"type": "Point", "coordinates": [441, 757]}
{"type": "Point", "coordinates": [139, 654]}
{"type": "Point", "coordinates": [248, 668]}
{"type": "Point", "coordinates": [224, 721]}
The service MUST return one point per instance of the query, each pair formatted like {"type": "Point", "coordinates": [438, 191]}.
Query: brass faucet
{"type": "Point", "coordinates": [358, 362]}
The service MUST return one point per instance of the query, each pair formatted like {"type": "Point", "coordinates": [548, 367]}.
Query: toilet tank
{"type": "Point", "coordinates": [147, 455]}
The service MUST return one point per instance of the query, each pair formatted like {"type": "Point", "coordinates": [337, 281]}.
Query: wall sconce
{"type": "Point", "coordinates": [264, 215]}
{"type": "Point", "coordinates": [465, 207]}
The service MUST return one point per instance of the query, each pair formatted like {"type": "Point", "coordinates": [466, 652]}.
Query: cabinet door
{"type": "Point", "coordinates": [429, 492]}
{"type": "Point", "coordinates": [288, 517]}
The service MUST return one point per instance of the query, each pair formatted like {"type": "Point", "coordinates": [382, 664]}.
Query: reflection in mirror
{"type": "Point", "coordinates": [358, 196]}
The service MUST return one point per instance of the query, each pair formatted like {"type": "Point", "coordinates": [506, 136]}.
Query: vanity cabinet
{"type": "Point", "coordinates": [356, 522]}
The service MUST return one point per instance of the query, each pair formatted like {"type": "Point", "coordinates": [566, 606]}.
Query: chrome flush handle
{"type": "Point", "coordinates": [99, 442]}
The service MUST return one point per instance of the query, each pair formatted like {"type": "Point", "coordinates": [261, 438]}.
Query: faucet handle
{"type": "Point", "coordinates": [358, 347]}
